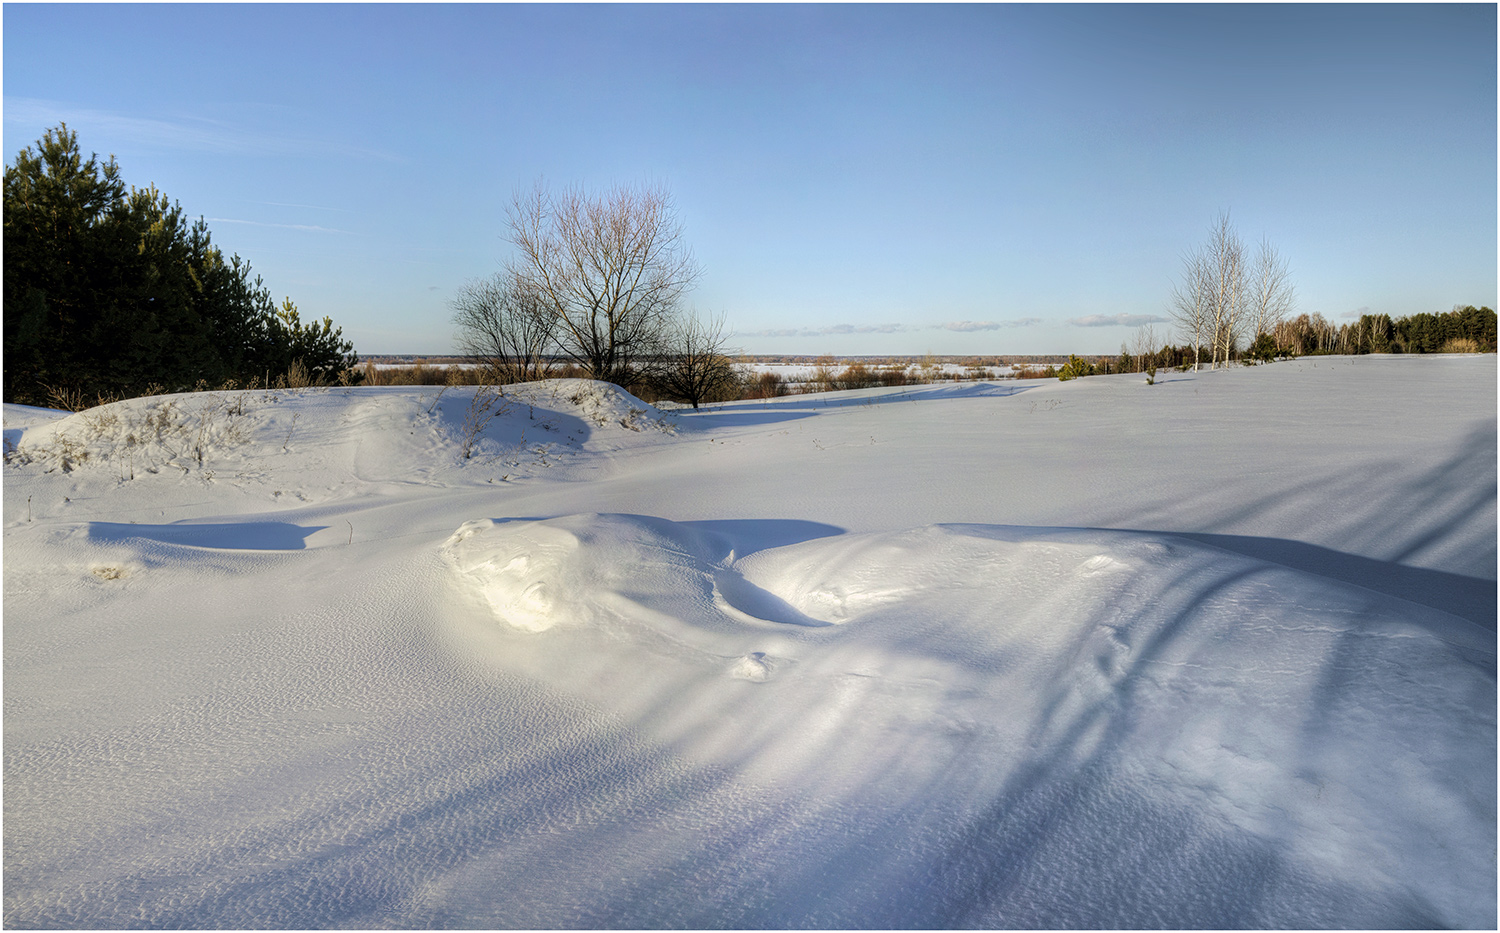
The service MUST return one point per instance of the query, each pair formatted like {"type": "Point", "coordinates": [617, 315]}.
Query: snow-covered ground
{"type": "Point", "coordinates": [803, 372]}
{"type": "Point", "coordinates": [1218, 652]}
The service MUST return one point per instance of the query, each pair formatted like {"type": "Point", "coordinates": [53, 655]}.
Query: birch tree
{"type": "Point", "coordinates": [1191, 303]}
{"type": "Point", "coordinates": [1213, 300]}
{"type": "Point", "coordinates": [1226, 255]}
{"type": "Point", "coordinates": [1272, 295]}
{"type": "Point", "coordinates": [1145, 346]}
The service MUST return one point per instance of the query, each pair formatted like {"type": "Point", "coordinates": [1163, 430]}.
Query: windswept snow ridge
{"type": "Point", "coordinates": [1265, 703]}
{"type": "Point", "coordinates": [554, 659]}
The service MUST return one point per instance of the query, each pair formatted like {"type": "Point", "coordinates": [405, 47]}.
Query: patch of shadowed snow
{"type": "Point", "coordinates": [981, 667]}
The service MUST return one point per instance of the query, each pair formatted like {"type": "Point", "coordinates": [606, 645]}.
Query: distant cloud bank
{"type": "Point", "coordinates": [964, 327]}
{"type": "Point", "coordinates": [1118, 320]}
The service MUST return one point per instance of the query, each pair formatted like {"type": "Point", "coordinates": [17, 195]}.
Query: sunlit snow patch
{"type": "Point", "coordinates": [988, 668]}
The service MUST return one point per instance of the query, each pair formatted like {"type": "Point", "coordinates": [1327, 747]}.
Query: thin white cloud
{"type": "Point", "coordinates": [309, 228]}
{"type": "Point", "coordinates": [1118, 320]}
{"type": "Point", "coordinates": [965, 327]}
{"type": "Point", "coordinates": [1356, 314]}
{"type": "Point", "coordinates": [188, 133]}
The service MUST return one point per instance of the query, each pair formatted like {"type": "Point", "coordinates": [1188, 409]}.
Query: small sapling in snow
{"type": "Point", "coordinates": [285, 445]}
{"type": "Point", "coordinates": [488, 403]}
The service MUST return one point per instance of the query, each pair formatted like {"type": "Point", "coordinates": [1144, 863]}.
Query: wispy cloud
{"type": "Point", "coordinates": [1356, 314]}
{"type": "Point", "coordinates": [964, 327]}
{"type": "Point", "coordinates": [309, 228]}
{"type": "Point", "coordinates": [1118, 320]}
{"type": "Point", "coordinates": [190, 133]}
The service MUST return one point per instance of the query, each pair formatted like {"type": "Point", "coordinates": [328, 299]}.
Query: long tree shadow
{"type": "Point", "coordinates": [254, 536]}
{"type": "Point", "coordinates": [1013, 857]}
{"type": "Point", "coordinates": [797, 407]}
{"type": "Point", "coordinates": [502, 804]}
{"type": "Point", "coordinates": [1467, 597]}
{"type": "Point", "coordinates": [1442, 514]}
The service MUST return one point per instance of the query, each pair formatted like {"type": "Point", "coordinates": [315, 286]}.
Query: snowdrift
{"type": "Point", "coordinates": [1112, 675]}
{"type": "Point", "coordinates": [918, 658]}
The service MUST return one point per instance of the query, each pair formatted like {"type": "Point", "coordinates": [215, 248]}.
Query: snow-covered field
{"type": "Point", "coordinates": [1218, 652]}
{"type": "Point", "coordinates": [803, 372]}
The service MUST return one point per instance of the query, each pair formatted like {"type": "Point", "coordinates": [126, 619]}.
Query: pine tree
{"type": "Point", "coordinates": [109, 290]}
{"type": "Point", "coordinates": [1074, 368]}
{"type": "Point", "coordinates": [57, 213]}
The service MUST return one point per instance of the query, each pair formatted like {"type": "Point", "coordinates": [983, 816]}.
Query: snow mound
{"type": "Point", "coordinates": [149, 432]}
{"type": "Point", "coordinates": [334, 436]}
{"type": "Point", "coordinates": [600, 404]}
{"type": "Point", "coordinates": [584, 569]}
{"type": "Point", "coordinates": [1272, 706]}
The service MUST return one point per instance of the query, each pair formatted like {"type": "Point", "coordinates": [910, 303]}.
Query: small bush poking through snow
{"type": "Point", "coordinates": [1076, 367]}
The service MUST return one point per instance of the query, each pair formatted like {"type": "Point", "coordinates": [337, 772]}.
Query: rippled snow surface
{"type": "Point", "coordinates": [998, 655]}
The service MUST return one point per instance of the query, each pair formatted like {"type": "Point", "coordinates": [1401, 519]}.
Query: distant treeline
{"type": "Point", "coordinates": [110, 292]}
{"type": "Point", "coordinates": [1465, 329]}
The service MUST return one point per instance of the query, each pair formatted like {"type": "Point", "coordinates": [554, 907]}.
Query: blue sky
{"type": "Point", "coordinates": [853, 179]}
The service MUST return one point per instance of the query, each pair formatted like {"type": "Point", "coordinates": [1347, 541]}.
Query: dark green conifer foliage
{"type": "Point", "coordinates": [1263, 350]}
{"type": "Point", "coordinates": [109, 290]}
{"type": "Point", "coordinates": [1075, 368]}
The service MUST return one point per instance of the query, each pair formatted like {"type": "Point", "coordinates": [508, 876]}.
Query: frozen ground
{"type": "Point", "coordinates": [802, 372]}
{"type": "Point", "coordinates": [1218, 652]}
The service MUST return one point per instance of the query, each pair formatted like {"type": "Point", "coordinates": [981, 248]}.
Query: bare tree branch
{"type": "Point", "coordinates": [1222, 294]}
{"type": "Point", "coordinates": [1273, 298]}
{"type": "Point", "coordinates": [1227, 266]}
{"type": "Point", "coordinates": [610, 270]}
{"type": "Point", "coordinates": [1192, 301]}
{"type": "Point", "coordinates": [505, 326]}
{"type": "Point", "coordinates": [699, 368]}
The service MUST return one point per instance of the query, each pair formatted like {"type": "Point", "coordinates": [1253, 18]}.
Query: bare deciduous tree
{"type": "Point", "coordinates": [1272, 295]}
{"type": "Point", "coordinates": [1306, 334]}
{"type": "Point", "coordinates": [1220, 295]}
{"type": "Point", "coordinates": [504, 326]}
{"type": "Point", "coordinates": [1192, 301]}
{"type": "Point", "coordinates": [1226, 255]}
{"type": "Point", "coordinates": [699, 368]}
{"type": "Point", "coordinates": [608, 270]}
{"type": "Point", "coordinates": [1143, 345]}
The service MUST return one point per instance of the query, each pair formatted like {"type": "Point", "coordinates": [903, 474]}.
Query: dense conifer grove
{"type": "Point", "coordinates": [110, 291]}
